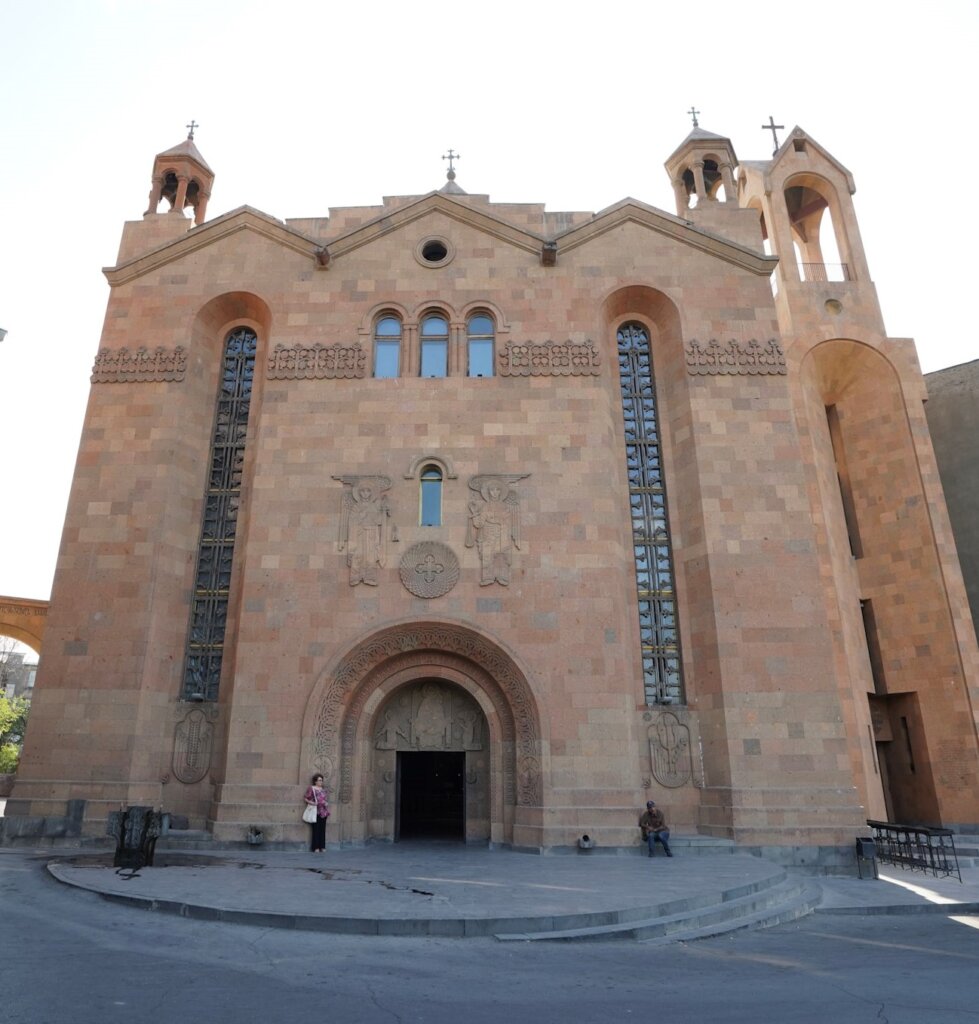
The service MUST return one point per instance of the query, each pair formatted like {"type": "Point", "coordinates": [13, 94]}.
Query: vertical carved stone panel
{"type": "Point", "coordinates": [193, 744]}
{"type": "Point", "coordinates": [674, 761]}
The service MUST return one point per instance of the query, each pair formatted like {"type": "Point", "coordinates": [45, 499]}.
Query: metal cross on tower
{"type": "Point", "coordinates": [450, 156]}
{"type": "Point", "coordinates": [693, 113]}
{"type": "Point", "coordinates": [190, 129]}
{"type": "Point", "coordinates": [773, 127]}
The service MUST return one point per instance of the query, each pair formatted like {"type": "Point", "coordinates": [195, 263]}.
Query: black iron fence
{"type": "Point", "coordinates": [917, 847]}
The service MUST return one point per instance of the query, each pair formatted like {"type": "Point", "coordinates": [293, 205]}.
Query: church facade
{"type": "Point", "coordinates": [506, 521]}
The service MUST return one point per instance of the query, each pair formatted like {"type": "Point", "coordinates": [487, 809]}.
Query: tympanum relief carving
{"type": "Point", "coordinates": [430, 717]}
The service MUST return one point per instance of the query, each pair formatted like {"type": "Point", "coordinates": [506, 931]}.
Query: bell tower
{"type": "Point", "coordinates": [182, 178]}
{"type": "Point", "coordinates": [803, 198]}
{"type": "Point", "coordinates": [702, 170]}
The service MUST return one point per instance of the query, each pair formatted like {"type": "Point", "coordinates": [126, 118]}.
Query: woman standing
{"type": "Point", "coordinates": [316, 797]}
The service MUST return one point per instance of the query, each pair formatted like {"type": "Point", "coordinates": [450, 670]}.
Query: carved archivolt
{"type": "Point", "coordinates": [118, 366]}
{"type": "Point", "coordinates": [548, 359]}
{"type": "Point", "coordinates": [317, 362]}
{"type": "Point", "coordinates": [742, 358]}
{"type": "Point", "coordinates": [412, 648]}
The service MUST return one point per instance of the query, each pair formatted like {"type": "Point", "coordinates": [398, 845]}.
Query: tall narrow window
{"type": "Point", "coordinates": [658, 631]}
{"type": "Point", "coordinates": [212, 581]}
{"type": "Point", "coordinates": [435, 346]}
{"type": "Point", "coordinates": [431, 497]}
{"type": "Point", "coordinates": [480, 336]}
{"type": "Point", "coordinates": [387, 347]}
{"type": "Point", "coordinates": [843, 479]}
{"type": "Point", "coordinates": [873, 647]}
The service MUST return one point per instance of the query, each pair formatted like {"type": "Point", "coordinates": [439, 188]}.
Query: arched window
{"type": "Point", "coordinates": [480, 333]}
{"type": "Point", "coordinates": [658, 633]}
{"type": "Point", "coordinates": [430, 499]}
{"type": "Point", "coordinates": [387, 346]}
{"type": "Point", "coordinates": [435, 346]}
{"type": "Point", "coordinates": [212, 581]}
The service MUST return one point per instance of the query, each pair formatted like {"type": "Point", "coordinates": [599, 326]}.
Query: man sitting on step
{"type": "Point", "coordinates": [653, 825]}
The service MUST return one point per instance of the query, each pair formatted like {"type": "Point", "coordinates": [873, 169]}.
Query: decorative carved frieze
{"type": "Point", "coordinates": [429, 569]}
{"type": "Point", "coordinates": [22, 609]}
{"type": "Point", "coordinates": [494, 525]}
{"type": "Point", "coordinates": [317, 362]}
{"type": "Point", "coordinates": [363, 526]}
{"type": "Point", "coordinates": [193, 742]}
{"type": "Point", "coordinates": [120, 365]}
{"type": "Point", "coordinates": [548, 359]}
{"type": "Point", "coordinates": [742, 358]}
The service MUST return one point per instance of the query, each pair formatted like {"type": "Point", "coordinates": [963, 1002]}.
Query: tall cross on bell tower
{"type": "Point", "coordinates": [450, 156]}
{"type": "Point", "coordinates": [773, 128]}
{"type": "Point", "coordinates": [190, 129]}
{"type": "Point", "coordinates": [693, 113]}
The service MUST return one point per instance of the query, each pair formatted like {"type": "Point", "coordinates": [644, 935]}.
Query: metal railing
{"type": "Point", "coordinates": [917, 847]}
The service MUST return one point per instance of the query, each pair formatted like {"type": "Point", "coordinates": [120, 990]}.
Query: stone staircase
{"type": "Point", "coordinates": [775, 900]}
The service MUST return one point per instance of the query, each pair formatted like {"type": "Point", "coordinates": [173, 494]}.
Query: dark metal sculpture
{"type": "Point", "coordinates": [135, 830]}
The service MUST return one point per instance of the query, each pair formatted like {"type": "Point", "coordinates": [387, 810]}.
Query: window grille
{"type": "Point", "coordinates": [212, 581]}
{"type": "Point", "coordinates": [658, 630]}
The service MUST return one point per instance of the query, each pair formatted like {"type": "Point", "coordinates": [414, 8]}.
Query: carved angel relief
{"type": "Point", "coordinates": [363, 526]}
{"type": "Point", "coordinates": [494, 525]}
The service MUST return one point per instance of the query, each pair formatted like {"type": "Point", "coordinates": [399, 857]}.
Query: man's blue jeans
{"type": "Point", "coordinates": [663, 837]}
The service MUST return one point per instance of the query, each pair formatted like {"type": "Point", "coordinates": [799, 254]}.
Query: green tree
{"type": "Point", "coordinates": [13, 722]}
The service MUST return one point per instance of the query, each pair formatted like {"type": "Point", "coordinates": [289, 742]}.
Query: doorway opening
{"type": "Point", "coordinates": [431, 795]}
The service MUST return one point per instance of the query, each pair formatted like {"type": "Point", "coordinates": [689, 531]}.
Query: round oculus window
{"type": "Point", "coordinates": [434, 252]}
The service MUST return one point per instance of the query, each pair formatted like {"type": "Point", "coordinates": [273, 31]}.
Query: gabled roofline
{"type": "Point", "coordinates": [800, 133]}
{"type": "Point", "coordinates": [636, 212]}
{"type": "Point", "coordinates": [245, 218]}
{"type": "Point", "coordinates": [385, 223]}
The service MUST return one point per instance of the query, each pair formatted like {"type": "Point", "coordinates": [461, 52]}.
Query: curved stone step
{"type": "Point", "coordinates": [761, 907]}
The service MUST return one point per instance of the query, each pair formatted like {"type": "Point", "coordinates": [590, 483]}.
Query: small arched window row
{"type": "Point", "coordinates": [442, 349]}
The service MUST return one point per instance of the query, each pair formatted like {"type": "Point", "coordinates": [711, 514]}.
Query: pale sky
{"type": "Point", "coordinates": [307, 105]}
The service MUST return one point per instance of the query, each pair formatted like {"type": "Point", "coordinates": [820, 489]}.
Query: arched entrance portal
{"type": "Point", "coordinates": [429, 773]}
{"type": "Point", "coordinates": [433, 688]}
